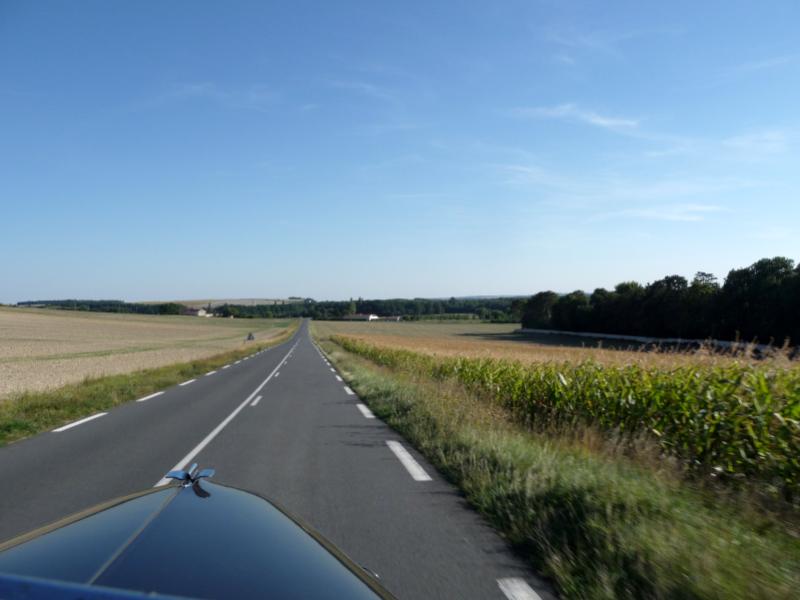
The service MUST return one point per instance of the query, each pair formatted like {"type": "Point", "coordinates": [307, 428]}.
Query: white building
{"type": "Point", "coordinates": [360, 317]}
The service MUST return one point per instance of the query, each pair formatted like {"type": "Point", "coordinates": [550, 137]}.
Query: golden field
{"type": "Point", "coordinates": [42, 348]}
{"type": "Point", "coordinates": [490, 340]}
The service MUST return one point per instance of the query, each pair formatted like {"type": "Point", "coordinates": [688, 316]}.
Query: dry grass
{"type": "Point", "coordinates": [42, 349]}
{"type": "Point", "coordinates": [489, 340]}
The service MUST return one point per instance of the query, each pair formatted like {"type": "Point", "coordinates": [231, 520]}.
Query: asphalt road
{"type": "Point", "coordinates": [284, 425]}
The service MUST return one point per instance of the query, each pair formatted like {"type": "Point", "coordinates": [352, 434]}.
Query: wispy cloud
{"type": "Point", "coordinates": [364, 88]}
{"type": "Point", "coordinates": [589, 190]}
{"type": "Point", "coordinates": [772, 234]}
{"type": "Point", "coordinates": [670, 212]}
{"type": "Point", "coordinates": [573, 112]}
{"type": "Point", "coordinates": [388, 112]}
{"type": "Point", "coordinates": [765, 63]}
{"type": "Point", "coordinates": [750, 146]}
{"type": "Point", "coordinates": [256, 97]}
{"type": "Point", "coordinates": [595, 41]}
{"type": "Point", "coordinates": [606, 196]}
{"type": "Point", "coordinates": [601, 41]}
{"type": "Point", "coordinates": [564, 59]}
{"type": "Point", "coordinates": [762, 143]}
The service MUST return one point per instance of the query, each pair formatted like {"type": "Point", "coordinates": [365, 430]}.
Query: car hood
{"type": "Point", "coordinates": [209, 541]}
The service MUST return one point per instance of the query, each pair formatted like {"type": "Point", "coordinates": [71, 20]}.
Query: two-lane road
{"type": "Point", "coordinates": [282, 424]}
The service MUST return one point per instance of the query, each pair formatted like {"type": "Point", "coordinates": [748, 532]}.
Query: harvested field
{"type": "Point", "coordinates": [490, 340]}
{"type": "Point", "coordinates": [43, 349]}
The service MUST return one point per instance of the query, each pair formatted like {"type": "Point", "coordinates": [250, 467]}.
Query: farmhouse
{"type": "Point", "coordinates": [197, 312]}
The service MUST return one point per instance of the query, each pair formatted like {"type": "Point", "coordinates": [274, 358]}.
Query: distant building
{"type": "Point", "coordinates": [361, 317]}
{"type": "Point", "coordinates": [197, 312]}
{"type": "Point", "coordinates": [391, 318]}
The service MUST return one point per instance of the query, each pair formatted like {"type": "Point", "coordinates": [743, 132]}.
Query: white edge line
{"type": "Point", "coordinates": [210, 373]}
{"type": "Point", "coordinates": [368, 414]}
{"type": "Point", "coordinates": [188, 382]}
{"type": "Point", "coordinates": [338, 378]}
{"type": "Point", "coordinates": [349, 391]}
{"type": "Point", "coordinates": [81, 422]}
{"type": "Point", "coordinates": [516, 588]}
{"type": "Point", "coordinates": [150, 396]}
{"type": "Point", "coordinates": [412, 466]}
{"type": "Point", "coordinates": [278, 374]}
{"type": "Point", "coordinates": [226, 366]}
{"type": "Point", "coordinates": [214, 432]}
{"type": "Point", "coordinates": [256, 401]}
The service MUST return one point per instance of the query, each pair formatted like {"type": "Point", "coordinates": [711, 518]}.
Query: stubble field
{"type": "Point", "coordinates": [42, 349]}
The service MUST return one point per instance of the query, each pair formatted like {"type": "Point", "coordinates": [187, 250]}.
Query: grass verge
{"type": "Point", "coordinates": [600, 526]}
{"type": "Point", "coordinates": [29, 413]}
{"type": "Point", "coordinates": [738, 423]}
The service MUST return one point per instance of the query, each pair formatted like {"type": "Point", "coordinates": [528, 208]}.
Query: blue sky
{"type": "Point", "coordinates": [157, 150]}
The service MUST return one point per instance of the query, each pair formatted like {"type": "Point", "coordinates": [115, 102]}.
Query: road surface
{"type": "Point", "coordinates": [282, 424]}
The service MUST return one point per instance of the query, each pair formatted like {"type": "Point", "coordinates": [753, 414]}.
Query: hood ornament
{"type": "Point", "coordinates": [190, 476]}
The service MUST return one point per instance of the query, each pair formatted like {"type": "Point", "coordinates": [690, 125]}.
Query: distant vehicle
{"type": "Point", "coordinates": [250, 337]}
{"type": "Point", "coordinates": [188, 540]}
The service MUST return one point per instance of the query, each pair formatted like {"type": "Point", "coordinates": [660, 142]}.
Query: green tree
{"type": "Point", "coordinates": [571, 311]}
{"type": "Point", "coordinates": [538, 313]}
{"type": "Point", "coordinates": [665, 308]}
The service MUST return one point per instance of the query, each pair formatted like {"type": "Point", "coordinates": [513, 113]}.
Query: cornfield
{"type": "Point", "coordinates": [736, 420]}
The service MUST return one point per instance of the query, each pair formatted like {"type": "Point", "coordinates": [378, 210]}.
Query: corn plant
{"type": "Point", "coordinates": [739, 420]}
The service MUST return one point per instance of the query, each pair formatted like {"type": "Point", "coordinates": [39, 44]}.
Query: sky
{"type": "Point", "coordinates": [178, 150]}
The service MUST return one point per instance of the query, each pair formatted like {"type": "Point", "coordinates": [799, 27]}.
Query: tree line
{"type": "Point", "coordinates": [112, 306]}
{"type": "Point", "coordinates": [760, 302]}
{"type": "Point", "coordinates": [505, 310]}
{"type": "Point", "coordinates": [502, 310]}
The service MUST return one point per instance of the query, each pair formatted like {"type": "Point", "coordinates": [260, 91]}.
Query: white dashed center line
{"type": "Point", "coordinates": [516, 588]}
{"type": "Point", "coordinates": [412, 466]}
{"type": "Point", "coordinates": [81, 422]}
{"type": "Point", "coordinates": [256, 401]}
{"type": "Point", "coordinates": [214, 432]}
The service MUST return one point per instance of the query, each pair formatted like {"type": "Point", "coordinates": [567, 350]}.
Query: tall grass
{"type": "Point", "coordinates": [736, 420]}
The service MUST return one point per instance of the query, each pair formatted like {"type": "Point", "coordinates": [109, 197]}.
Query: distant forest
{"type": "Point", "coordinates": [112, 306]}
{"type": "Point", "coordinates": [505, 310]}
{"type": "Point", "coordinates": [487, 309]}
{"type": "Point", "coordinates": [760, 302]}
